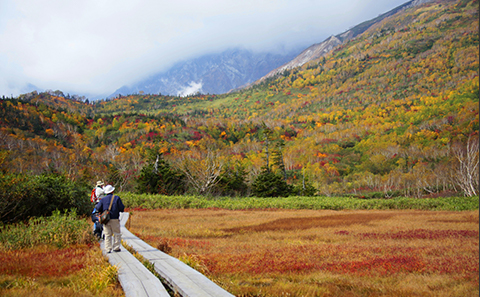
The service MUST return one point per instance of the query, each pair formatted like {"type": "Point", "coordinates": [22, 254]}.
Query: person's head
{"type": "Point", "coordinates": [109, 189]}
{"type": "Point", "coordinates": [100, 183]}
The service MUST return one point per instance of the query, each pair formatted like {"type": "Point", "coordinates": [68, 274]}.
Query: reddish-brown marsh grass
{"type": "Point", "coordinates": [323, 253]}
{"type": "Point", "coordinates": [79, 270]}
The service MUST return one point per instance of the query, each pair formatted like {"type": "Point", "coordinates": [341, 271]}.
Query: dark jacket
{"type": "Point", "coordinates": [117, 206]}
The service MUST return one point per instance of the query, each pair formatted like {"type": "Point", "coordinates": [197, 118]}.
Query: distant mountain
{"type": "Point", "coordinates": [238, 68]}
{"type": "Point", "coordinates": [210, 74]}
{"type": "Point", "coordinates": [319, 50]}
{"type": "Point", "coordinates": [390, 111]}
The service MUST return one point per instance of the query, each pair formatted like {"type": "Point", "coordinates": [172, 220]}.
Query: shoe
{"type": "Point", "coordinates": [108, 252]}
{"type": "Point", "coordinates": [117, 250]}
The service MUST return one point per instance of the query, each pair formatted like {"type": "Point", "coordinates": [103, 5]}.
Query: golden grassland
{"type": "Point", "coordinates": [322, 252]}
{"type": "Point", "coordinates": [78, 270]}
{"type": "Point", "coordinates": [54, 256]}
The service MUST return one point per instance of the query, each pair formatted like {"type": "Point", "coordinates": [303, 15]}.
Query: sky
{"type": "Point", "coordinates": [93, 47]}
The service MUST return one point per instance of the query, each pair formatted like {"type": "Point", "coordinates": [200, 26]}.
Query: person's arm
{"type": "Point", "coordinates": [121, 207]}
{"type": "Point", "coordinates": [99, 206]}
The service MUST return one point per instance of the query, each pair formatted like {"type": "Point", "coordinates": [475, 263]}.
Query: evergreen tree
{"type": "Point", "coordinates": [277, 156]}
{"type": "Point", "coordinates": [270, 184]}
{"type": "Point", "coordinates": [232, 181]}
{"type": "Point", "coordinates": [159, 178]}
{"type": "Point", "coordinates": [305, 189]}
{"type": "Point", "coordinates": [267, 134]}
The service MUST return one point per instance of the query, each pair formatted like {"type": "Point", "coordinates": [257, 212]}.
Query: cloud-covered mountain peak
{"type": "Point", "coordinates": [210, 74]}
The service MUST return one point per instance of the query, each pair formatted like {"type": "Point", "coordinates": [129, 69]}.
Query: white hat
{"type": "Point", "coordinates": [99, 183]}
{"type": "Point", "coordinates": [109, 189]}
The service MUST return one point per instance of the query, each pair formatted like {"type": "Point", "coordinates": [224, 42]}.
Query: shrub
{"type": "Point", "coordinates": [59, 230]}
{"type": "Point", "coordinates": [309, 190]}
{"type": "Point", "coordinates": [26, 196]}
{"type": "Point", "coordinates": [144, 201]}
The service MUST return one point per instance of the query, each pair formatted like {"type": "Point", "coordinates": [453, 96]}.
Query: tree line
{"type": "Point", "coordinates": [379, 116]}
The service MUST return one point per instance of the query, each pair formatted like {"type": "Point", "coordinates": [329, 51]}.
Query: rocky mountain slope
{"type": "Point", "coordinates": [210, 74]}
{"type": "Point", "coordinates": [319, 50]}
{"type": "Point", "coordinates": [239, 68]}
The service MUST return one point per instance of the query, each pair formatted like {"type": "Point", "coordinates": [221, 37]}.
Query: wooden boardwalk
{"type": "Point", "coordinates": [181, 278]}
{"type": "Point", "coordinates": [135, 278]}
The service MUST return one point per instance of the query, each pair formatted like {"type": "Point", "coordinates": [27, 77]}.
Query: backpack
{"type": "Point", "coordinates": [93, 196]}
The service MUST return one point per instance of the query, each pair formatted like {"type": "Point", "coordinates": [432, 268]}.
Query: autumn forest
{"type": "Point", "coordinates": [392, 112]}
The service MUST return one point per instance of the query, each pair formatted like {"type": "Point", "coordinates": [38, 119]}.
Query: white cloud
{"type": "Point", "coordinates": [191, 89]}
{"type": "Point", "coordinates": [96, 46]}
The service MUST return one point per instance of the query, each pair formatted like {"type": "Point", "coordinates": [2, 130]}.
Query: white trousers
{"type": "Point", "coordinates": [112, 230]}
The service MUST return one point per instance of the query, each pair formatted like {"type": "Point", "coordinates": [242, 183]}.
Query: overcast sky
{"type": "Point", "coordinates": [93, 47]}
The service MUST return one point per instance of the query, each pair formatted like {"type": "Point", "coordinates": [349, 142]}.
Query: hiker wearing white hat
{"type": "Point", "coordinates": [97, 192]}
{"type": "Point", "coordinates": [111, 229]}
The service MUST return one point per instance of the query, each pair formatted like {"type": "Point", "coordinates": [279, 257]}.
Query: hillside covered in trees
{"type": "Point", "coordinates": [392, 112]}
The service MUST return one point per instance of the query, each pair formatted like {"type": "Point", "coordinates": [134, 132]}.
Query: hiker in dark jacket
{"type": "Point", "coordinates": [112, 227]}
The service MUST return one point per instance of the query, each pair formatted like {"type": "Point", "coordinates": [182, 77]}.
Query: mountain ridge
{"type": "Point", "coordinates": [319, 50]}
{"type": "Point", "coordinates": [216, 74]}
{"type": "Point", "coordinates": [386, 112]}
{"type": "Point", "coordinates": [209, 74]}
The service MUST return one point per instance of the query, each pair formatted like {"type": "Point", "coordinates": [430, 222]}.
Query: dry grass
{"type": "Point", "coordinates": [79, 270]}
{"type": "Point", "coordinates": [323, 253]}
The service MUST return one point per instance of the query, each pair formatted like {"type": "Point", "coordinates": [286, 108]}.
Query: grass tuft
{"type": "Point", "coordinates": [58, 230]}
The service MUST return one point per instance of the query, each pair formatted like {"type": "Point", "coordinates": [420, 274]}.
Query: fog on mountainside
{"type": "Point", "coordinates": [239, 68]}
{"type": "Point", "coordinates": [210, 74]}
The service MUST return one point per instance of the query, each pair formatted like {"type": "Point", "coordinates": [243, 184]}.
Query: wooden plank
{"type": "Point", "coordinates": [180, 277]}
{"type": "Point", "coordinates": [135, 278]}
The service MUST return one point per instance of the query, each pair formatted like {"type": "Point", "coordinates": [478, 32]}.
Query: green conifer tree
{"type": "Point", "coordinates": [270, 184]}
{"type": "Point", "coordinates": [158, 177]}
